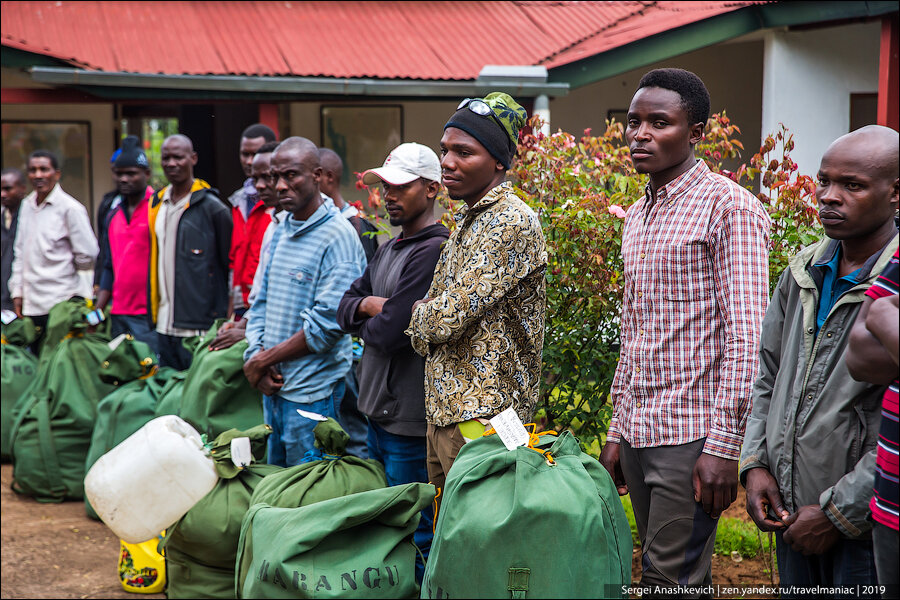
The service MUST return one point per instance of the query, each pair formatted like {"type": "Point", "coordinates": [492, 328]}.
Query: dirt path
{"type": "Point", "coordinates": [55, 550]}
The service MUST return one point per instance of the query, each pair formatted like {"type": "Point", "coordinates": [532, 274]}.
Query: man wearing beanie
{"type": "Point", "coordinates": [125, 249]}
{"type": "Point", "coordinates": [481, 326]}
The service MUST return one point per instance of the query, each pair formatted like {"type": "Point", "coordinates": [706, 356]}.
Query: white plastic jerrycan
{"type": "Point", "coordinates": [150, 480]}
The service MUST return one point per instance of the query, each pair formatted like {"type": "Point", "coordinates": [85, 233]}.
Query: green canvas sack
{"type": "Point", "coordinates": [201, 547]}
{"type": "Point", "coordinates": [170, 397]}
{"type": "Point", "coordinates": [18, 367]}
{"type": "Point", "coordinates": [123, 412]}
{"type": "Point", "coordinates": [356, 546]}
{"type": "Point", "coordinates": [53, 422]}
{"type": "Point", "coordinates": [68, 316]}
{"type": "Point", "coordinates": [216, 395]}
{"type": "Point", "coordinates": [541, 522]}
{"type": "Point", "coordinates": [336, 475]}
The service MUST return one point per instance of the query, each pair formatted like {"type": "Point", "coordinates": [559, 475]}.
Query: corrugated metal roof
{"type": "Point", "coordinates": [388, 40]}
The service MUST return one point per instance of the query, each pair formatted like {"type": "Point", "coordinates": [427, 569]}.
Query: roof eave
{"type": "Point", "coordinates": [301, 86]}
{"type": "Point", "coordinates": [708, 32]}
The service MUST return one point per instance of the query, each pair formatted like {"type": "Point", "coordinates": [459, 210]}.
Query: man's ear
{"type": "Point", "coordinates": [697, 133]}
{"type": "Point", "coordinates": [432, 190]}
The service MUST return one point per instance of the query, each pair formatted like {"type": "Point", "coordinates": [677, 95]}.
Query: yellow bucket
{"type": "Point", "coordinates": [142, 570]}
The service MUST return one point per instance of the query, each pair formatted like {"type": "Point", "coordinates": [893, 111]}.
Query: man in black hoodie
{"type": "Point", "coordinates": [377, 308]}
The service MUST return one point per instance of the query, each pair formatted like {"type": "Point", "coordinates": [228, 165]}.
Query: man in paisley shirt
{"type": "Point", "coordinates": [481, 326]}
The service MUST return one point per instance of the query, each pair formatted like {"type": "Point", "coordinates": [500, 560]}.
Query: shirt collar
{"type": "Point", "coordinates": [680, 184]}
{"type": "Point", "coordinates": [492, 197]}
{"type": "Point", "coordinates": [327, 208]}
{"type": "Point", "coordinates": [50, 199]}
{"type": "Point", "coordinates": [830, 260]}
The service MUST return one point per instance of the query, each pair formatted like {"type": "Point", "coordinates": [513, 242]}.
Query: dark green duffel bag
{"type": "Point", "coordinates": [201, 546]}
{"type": "Point", "coordinates": [127, 409]}
{"type": "Point", "coordinates": [336, 475]}
{"type": "Point", "coordinates": [18, 368]}
{"type": "Point", "coordinates": [217, 395]}
{"type": "Point", "coordinates": [356, 546]}
{"type": "Point", "coordinates": [532, 522]}
{"type": "Point", "coordinates": [54, 420]}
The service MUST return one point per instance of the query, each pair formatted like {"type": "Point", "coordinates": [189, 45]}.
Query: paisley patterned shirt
{"type": "Point", "coordinates": [483, 332]}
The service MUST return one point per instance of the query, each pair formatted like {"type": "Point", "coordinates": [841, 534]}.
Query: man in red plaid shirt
{"type": "Point", "coordinates": [696, 288]}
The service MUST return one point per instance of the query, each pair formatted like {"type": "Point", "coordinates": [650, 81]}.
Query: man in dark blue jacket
{"type": "Point", "coordinates": [378, 307]}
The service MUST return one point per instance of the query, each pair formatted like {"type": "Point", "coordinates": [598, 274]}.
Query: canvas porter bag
{"type": "Point", "coordinates": [217, 396]}
{"type": "Point", "coordinates": [17, 370]}
{"type": "Point", "coordinates": [201, 546]}
{"type": "Point", "coordinates": [54, 420]}
{"type": "Point", "coordinates": [356, 546]}
{"type": "Point", "coordinates": [542, 521]}
{"type": "Point", "coordinates": [336, 475]}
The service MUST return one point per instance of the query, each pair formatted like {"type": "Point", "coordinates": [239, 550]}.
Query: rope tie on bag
{"type": "Point", "coordinates": [533, 440]}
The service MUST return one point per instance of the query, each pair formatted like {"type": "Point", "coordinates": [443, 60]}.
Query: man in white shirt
{"type": "Point", "coordinates": [55, 247]}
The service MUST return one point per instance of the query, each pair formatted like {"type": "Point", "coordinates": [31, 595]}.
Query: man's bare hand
{"type": "Point", "coordinates": [371, 306]}
{"type": "Point", "coordinates": [809, 531]}
{"type": "Point", "coordinates": [763, 495]}
{"type": "Point", "coordinates": [228, 335]}
{"type": "Point", "coordinates": [271, 383]}
{"type": "Point", "coordinates": [255, 369]}
{"type": "Point", "coordinates": [609, 458]}
{"type": "Point", "coordinates": [715, 481]}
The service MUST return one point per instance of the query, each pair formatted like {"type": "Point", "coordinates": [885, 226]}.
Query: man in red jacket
{"type": "Point", "coordinates": [251, 218]}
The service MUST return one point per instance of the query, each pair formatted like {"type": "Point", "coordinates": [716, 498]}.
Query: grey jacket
{"type": "Point", "coordinates": [812, 425]}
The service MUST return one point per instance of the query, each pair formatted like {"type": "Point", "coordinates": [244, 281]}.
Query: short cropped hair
{"type": "Point", "coordinates": [259, 130]}
{"type": "Point", "coordinates": [267, 147]}
{"type": "Point", "coordinates": [20, 177]}
{"type": "Point", "coordinates": [693, 92]}
{"type": "Point", "coordinates": [45, 154]}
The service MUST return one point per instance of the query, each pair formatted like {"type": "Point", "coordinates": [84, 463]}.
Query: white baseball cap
{"type": "Point", "coordinates": [407, 162]}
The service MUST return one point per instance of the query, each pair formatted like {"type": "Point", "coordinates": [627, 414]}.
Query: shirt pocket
{"type": "Point", "coordinates": [686, 273]}
{"type": "Point", "coordinates": [301, 277]}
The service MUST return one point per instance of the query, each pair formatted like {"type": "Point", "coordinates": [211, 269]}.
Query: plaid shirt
{"type": "Point", "coordinates": [696, 290]}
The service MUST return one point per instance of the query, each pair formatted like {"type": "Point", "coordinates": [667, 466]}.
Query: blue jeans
{"type": "Point", "coordinates": [292, 440]}
{"type": "Point", "coordinates": [354, 422]}
{"type": "Point", "coordinates": [403, 457]}
{"type": "Point", "coordinates": [848, 563]}
{"type": "Point", "coordinates": [139, 326]}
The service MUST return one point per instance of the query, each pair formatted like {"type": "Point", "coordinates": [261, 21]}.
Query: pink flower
{"type": "Point", "coordinates": [615, 209]}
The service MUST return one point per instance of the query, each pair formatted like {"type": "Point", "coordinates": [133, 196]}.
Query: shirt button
{"type": "Point", "coordinates": [828, 334]}
{"type": "Point", "coordinates": [809, 396]}
{"type": "Point", "coordinates": [640, 294]}
{"type": "Point", "coordinates": [385, 412]}
{"type": "Point", "coordinates": [643, 255]}
{"type": "Point", "coordinates": [810, 330]}
{"type": "Point", "coordinates": [638, 369]}
{"type": "Point", "coordinates": [638, 405]}
{"type": "Point", "coordinates": [642, 332]}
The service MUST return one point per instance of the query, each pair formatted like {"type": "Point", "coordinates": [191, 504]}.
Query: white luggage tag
{"type": "Point", "coordinates": [311, 415]}
{"type": "Point", "coordinates": [510, 429]}
{"type": "Point", "coordinates": [7, 317]}
{"type": "Point", "coordinates": [240, 452]}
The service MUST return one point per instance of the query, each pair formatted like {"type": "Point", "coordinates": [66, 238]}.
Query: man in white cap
{"type": "Point", "coordinates": [377, 308]}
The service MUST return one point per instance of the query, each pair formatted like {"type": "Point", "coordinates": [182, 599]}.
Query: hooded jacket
{"type": "Point", "coordinates": [812, 425]}
{"type": "Point", "coordinates": [391, 374]}
{"type": "Point", "coordinates": [201, 259]}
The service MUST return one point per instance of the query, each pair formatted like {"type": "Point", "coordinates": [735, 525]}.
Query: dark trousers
{"type": "Point", "coordinates": [172, 352]}
{"type": "Point", "coordinates": [139, 326]}
{"type": "Point", "coordinates": [847, 563]}
{"type": "Point", "coordinates": [354, 422]}
{"type": "Point", "coordinates": [403, 457]}
{"type": "Point", "coordinates": [677, 536]}
{"type": "Point", "coordinates": [884, 540]}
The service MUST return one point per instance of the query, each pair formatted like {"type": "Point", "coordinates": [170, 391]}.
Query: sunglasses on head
{"type": "Point", "coordinates": [480, 108]}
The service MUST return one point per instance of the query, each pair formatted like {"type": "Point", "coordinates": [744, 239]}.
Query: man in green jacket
{"type": "Point", "coordinates": [809, 449]}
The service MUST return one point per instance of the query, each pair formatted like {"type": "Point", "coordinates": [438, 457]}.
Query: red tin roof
{"type": "Point", "coordinates": [387, 40]}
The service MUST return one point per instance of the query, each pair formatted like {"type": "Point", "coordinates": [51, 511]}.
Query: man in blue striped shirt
{"type": "Point", "coordinates": [298, 355]}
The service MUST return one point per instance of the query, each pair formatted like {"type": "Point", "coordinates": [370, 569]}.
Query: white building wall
{"type": "Point", "coordinates": [808, 77]}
